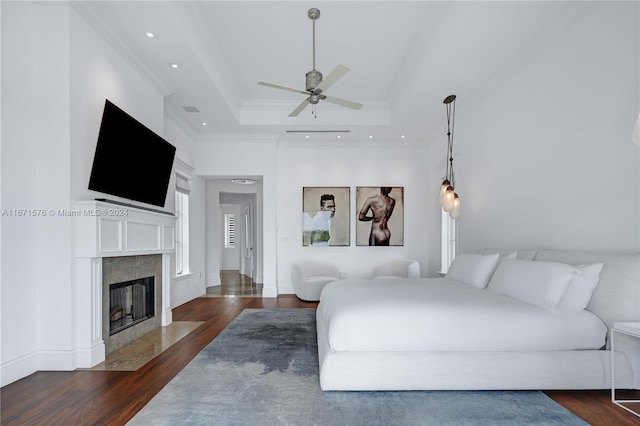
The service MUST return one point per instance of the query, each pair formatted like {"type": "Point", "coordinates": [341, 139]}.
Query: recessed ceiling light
{"type": "Point", "coordinates": [370, 136]}
{"type": "Point", "coordinates": [150, 35]}
{"type": "Point", "coordinates": [338, 136]}
{"type": "Point", "coordinates": [204, 123]}
{"type": "Point", "coordinates": [174, 65]}
{"type": "Point", "coordinates": [307, 136]}
{"type": "Point", "coordinates": [401, 136]}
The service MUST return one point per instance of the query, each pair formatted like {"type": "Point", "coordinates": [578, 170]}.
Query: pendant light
{"type": "Point", "coordinates": [449, 199]}
{"type": "Point", "coordinates": [443, 190]}
{"type": "Point", "coordinates": [455, 211]}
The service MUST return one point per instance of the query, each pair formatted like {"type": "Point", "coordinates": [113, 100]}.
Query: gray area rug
{"type": "Point", "coordinates": [263, 370]}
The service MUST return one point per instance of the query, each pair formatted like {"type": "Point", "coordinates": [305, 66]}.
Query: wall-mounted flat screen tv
{"type": "Point", "coordinates": [131, 161]}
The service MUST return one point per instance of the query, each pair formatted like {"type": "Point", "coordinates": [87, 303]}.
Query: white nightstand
{"type": "Point", "coordinates": [630, 329]}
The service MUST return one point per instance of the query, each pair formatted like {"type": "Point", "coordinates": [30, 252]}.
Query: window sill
{"type": "Point", "coordinates": [183, 276]}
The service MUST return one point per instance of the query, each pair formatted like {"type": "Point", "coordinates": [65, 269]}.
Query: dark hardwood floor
{"type": "Point", "coordinates": [85, 397]}
{"type": "Point", "coordinates": [233, 283]}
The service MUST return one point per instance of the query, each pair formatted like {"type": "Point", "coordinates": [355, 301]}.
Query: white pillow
{"type": "Point", "coordinates": [473, 269]}
{"type": "Point", "coordinates": [511, 255]}
{"type": "Point", "coordinates": [520, 254]}
{"type": "Point", "coordinates": [537, 283]}
{"type": "Point", "coordinates": [578, 293]}
{"type": "Point", "coordinates": [504, 253]}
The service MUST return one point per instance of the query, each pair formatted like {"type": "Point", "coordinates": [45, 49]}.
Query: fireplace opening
{"type": "Point", "coordinates": [130, 303]}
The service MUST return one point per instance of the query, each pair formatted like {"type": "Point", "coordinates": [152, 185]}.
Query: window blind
{"type": "Point", "coordinates": [182, 184]}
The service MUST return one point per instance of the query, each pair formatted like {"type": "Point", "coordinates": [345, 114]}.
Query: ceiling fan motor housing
{"type": "Point", "coordinates": [314, 78]}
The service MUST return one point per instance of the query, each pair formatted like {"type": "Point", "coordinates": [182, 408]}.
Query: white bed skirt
{"type": "Point", "coordinates": [541, 370]}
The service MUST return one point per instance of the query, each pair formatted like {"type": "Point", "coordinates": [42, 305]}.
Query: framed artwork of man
{"type": "Point", "coordinates": [380, 216]}
{"type": "Point", "coordinates": [325, 216]}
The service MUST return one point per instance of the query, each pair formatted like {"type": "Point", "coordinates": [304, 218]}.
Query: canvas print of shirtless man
{"type": "Point", "coordinates": [380, 216]}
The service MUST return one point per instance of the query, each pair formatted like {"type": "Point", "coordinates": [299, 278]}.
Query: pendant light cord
{"type": "Point", "coordinates": [451, 114]}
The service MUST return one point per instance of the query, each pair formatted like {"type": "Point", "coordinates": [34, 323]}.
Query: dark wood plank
{"type": "Point", "coordinates": [595, 406]}
{"type": "Point", "coordinates": [84, 397]}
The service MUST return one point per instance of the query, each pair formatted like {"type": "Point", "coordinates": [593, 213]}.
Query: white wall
{"type": "Point", "coordinates": [387, 163]}
{"type": "Point", "coordinates": [37, 279]}
{"type": "Point", "coordinates": [55, 283]}
{"type": "Point", "coordinates": [546, 160]}
{"type": "Point", "coordinates": [20, 145]}
{"type": "Point", "coordinates": [189, 286]}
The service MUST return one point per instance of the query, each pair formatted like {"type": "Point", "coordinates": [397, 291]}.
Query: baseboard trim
{"type": "Point", "coordinates": [212, 282]}
{"type": "Point", "coordinates": [18, 368]}
{"type": "Point", "coordinates": [187, 296]}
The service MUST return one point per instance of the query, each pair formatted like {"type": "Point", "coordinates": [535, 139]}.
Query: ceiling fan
{"type": "Point", "coordinates": [316, 85]}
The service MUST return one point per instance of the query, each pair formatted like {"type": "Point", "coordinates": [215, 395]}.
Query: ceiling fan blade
{"type": "Point", "coordinates": [299, 108]}
{"type": "Point", "coordinates": [277, 86]}
{"type": "Point", "coordinates": [333, 76]}
{"type": "Point", "coordinates": [342, 102]}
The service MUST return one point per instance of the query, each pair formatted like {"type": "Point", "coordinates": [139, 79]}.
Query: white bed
{"type": "Point", "coordinates": [438, 333]}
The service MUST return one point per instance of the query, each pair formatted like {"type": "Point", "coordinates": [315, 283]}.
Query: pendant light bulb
{"type": "Point", "coordinates": [455, 211]}
{"type": "Point", "coordinates": [443, 190]}
{"type": "Point", "coordinates": [449, 196]}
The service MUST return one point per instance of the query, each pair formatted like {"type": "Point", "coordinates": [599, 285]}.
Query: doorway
{"type": "Point", "coordinates": [237, 242]}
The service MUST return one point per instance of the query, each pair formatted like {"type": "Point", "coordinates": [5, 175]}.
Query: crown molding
{"type": "Point", "coordinates": [183, 165]}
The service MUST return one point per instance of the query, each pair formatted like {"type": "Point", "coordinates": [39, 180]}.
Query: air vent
{"type": "Point", "coordinates": [318, 131]}
{"type": "Point", "coordinates": [191, 109]}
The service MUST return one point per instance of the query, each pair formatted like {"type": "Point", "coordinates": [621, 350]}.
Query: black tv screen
{"type": "Point", "coordinates": [131, 161]}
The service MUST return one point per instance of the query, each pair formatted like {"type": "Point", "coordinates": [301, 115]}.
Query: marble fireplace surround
{"type": "Point", "coordinates": [126, 268]}
{"type": "Point", "coordinates": [104, 230]}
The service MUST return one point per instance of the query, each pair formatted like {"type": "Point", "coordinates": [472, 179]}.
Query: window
{"type": "Point", "coordinates": [182, 225]}
{"type": "Point", "coordinates": [448, 241]}
{"type": "Point", "coordinates": [229, 230]}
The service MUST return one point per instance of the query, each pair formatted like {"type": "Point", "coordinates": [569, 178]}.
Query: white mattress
{"type": "Point", "coordinates": [437, 314]}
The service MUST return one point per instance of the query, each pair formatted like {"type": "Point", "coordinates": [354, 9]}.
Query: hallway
{"type": "Point", "coordinates": [234, 284]}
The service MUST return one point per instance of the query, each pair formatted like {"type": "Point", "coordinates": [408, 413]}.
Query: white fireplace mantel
{"type": "Point", "coordinates": [102, 229]}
